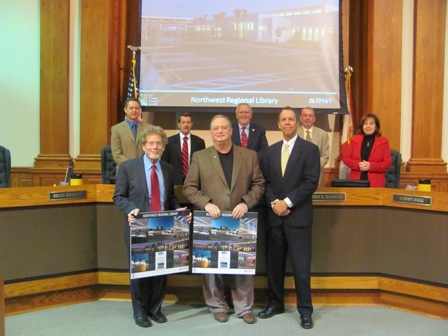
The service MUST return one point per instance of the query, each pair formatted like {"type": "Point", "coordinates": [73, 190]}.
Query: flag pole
{"type": "Point", "coordinates": [347, 124]}
{"type": "Point", "coordinates": [132, 88]}
{"type": "Point", "coordinates": [133, 91]}
{"type": "Point", "coordinates": [348, 89]}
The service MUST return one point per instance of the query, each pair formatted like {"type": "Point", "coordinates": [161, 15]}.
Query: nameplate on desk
{"type": "Point", "coordinates": [329, 196]}
{"type": "Point", "coordinates": [412, 199]}
{"type": "Point", "coordinates": [67, 195]}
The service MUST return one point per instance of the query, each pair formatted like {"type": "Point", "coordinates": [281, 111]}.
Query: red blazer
{"type": "Point", "coordinates": [380, 160]}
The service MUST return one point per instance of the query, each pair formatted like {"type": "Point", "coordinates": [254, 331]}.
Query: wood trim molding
{"type": "Point", "coordinates": [327, 290]}
{"type": "Point", "coordinates": [31, 287]}
{"type": "Point", "coordinates": [321, 282]}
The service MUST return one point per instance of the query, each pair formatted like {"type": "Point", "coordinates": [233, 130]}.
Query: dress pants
{"type": "Point", "coordinates": [296, 240]}
{"type": "Point", "coordinates": [147, 294]}
{"type": "Point", "coordinates": [242, 289]}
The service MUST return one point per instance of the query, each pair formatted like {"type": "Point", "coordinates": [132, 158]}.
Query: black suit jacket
{"type": "Point", "coordinates": [257, 137]}
{"type": "Point", "coordinates": [298, 184]}
{"type": "Point", "coordinates": [173, 154]}
{"type": "Point", "coordinates": [131, 189]}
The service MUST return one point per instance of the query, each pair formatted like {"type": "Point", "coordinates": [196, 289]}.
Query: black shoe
{"type": "Point", "coordinates": [269, 312]}
{"type": "Point", "coordinates": [158, 317]}
{"type": "Point", "coordinates": [306, 321]}
{"type": "Point", "coordinates": [142, 320]}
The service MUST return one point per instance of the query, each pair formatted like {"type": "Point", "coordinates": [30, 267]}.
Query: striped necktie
{"type": "Point", "coordinates": [185, 157]}
{"type": "Point", "coordinates": [244, 139]}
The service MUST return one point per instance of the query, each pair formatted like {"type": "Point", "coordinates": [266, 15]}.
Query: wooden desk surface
{"type": "Point", "coordinates": [102, 193]}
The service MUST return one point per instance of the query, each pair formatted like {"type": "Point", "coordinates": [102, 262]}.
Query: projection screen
{"type": "Point", "coordinates": [270, 54]}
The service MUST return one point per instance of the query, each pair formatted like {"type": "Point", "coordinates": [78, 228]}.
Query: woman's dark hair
{"type": "Point", "coordinates": [363, 120]}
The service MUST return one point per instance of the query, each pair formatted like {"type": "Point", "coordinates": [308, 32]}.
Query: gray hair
{"type": "Point", "coordinates": [154, 130]}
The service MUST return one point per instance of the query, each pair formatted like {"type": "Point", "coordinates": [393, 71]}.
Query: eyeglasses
{"type": "Point", "coordinates": [154, 144]}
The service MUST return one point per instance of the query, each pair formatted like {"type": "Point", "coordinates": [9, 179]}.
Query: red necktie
{"type": "Point", "coordinates": [155, 191]}
{"type": "Point", "coordinates": [185, 157]}
{"type": "Point", "coordinates": [243, 137]}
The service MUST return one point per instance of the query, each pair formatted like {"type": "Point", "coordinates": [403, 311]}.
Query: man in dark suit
{"type": "Point", "coordinates": [253, 136]}
{"type": "Point", "coordinates": [133, 195]}
{"type": "Point", "coordinates": [291, 168]}
{"type": "Point", "coordinates": [173, 152]}
{"type": "Point", "coordinates": [225, 177]}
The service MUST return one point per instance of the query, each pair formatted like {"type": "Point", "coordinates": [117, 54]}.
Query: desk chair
{"type": "Point", "coordinates": [108, 166]}
{"type": "Point", "coordinates": [5, 168]}
{"type": "Point", "coordinates": [393, 174]}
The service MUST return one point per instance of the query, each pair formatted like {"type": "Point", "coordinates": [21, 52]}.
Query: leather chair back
{"type": "Point", "coordinates": [393, 174]}
{"type": "Point", "coordinates": [5, 168]}
{"type": "Point", "coordinates": [108, 166]}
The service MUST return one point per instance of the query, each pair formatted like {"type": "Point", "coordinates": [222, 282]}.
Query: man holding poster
{"type": "Point", "coordinates": [146, 184]}
{"type": "Point", "coordinates": [225, 177]}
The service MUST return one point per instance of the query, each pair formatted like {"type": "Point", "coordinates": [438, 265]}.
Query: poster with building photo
{"type": "Point", "coordinates": [224, 245]}
{"type": "Point", "coordinates": [160, 243]}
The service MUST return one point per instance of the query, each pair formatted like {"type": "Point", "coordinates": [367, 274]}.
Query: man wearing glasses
{"type": "Point", "coordinates": [146, 184]}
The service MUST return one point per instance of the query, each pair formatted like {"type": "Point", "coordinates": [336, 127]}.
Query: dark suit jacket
{"type": "Point", "coordinates": [257, 137]}
{"type": "Point", "coordinates": [131, 189]}
{"type": "Point", "coordinates": [173, 154]}
{"type": "Point", "coordinates": [206, 181]}
{"type": "Point", "coordinates": [298, 184]}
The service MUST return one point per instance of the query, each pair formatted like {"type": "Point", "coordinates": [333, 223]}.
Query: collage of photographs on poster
{"type": "Point", "coordinates": [224, 245]}
{"type": "Point", "coordinates": [160, 244]}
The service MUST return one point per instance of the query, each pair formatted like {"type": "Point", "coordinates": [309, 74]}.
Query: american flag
{"type": "Point", "coordinates": [132, 85]}
{"type": "Point", "coordinates": [347, 125]}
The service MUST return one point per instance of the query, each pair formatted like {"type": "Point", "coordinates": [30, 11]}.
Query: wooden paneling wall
{"type": "Point", "coordinates": [103, 50]}
{"type": "Point", "coordinates": [98, 72]}
{"type": "Point", "coordinates": [357, 54]}
{"type": "Point", "coordinates": [429, 65]}
{"type": "Point", "coordinates": [54, 85]}
{"type": "Point", "coordinates": [384, 66]}
{"type": "Point", "coordinates": [375, 52]}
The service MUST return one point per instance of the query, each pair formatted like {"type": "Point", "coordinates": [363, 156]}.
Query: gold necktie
{"type": "Point", "coordinates": [308, 136]}
{"type": "Point", "coordinates": [285, 157]}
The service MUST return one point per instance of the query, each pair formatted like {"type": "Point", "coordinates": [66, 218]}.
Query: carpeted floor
{"type": "Point", "coordinates": [115, 318]}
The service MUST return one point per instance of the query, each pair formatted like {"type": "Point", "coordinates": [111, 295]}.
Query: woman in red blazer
{"type": "Point", "coordinates": [368, 153]}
